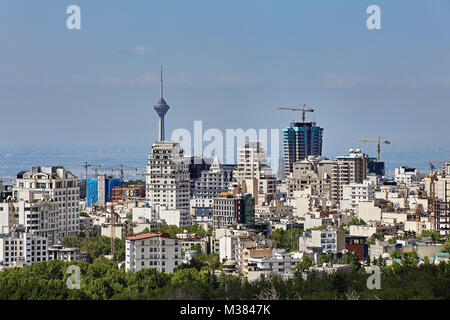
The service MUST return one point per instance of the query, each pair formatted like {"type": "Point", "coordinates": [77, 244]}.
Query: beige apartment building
{"type": "Point", "coordinates": [151, 250]}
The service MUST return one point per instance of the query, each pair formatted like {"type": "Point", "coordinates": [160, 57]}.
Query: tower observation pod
{"type": "Point", "coordinates": [161, 109]}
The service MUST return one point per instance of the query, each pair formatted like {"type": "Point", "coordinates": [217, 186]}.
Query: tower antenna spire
{"type": "Point", "coordinates": [161, 83]}
{"type": "Point", "coordinates": [161, 108]}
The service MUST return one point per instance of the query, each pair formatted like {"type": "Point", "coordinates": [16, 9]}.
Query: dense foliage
{"type": "Point", "coordinates": [132, 183]}
{"type": "Point", "coordinates": [357, 222]}
{"type": "Point", "coordinates": [102, 280]}
{"type": "Point", "coordinates": [286, 239]}
{"type": "Point", "coordinates": [96, 246]}
{"type": "Point", "coordinates": [193, 228]}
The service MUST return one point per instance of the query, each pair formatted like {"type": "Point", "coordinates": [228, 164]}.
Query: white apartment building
{"type": "Point", "coordinates": [441, 187]}
{"type": "Point", "coordinates": [9, 215]}
{"type": "Point", "coordinates": [157, 251]}
{"type": "Point", "coordinates": [327, 240]}
{"type": "Point", "coordinates": [57, 252]}
{"type": "Point", "coordinates": [354, 193]}
{"type": "Point", "coordinates": [20, 246]}
{"type": "Point", "coordinates": [405, 175]}
{"type": "Point", "coordinates": [251, 162]}
{"type": "Point", "coordinates": [35, 211]}
{"type": "Point", "coordinates": [167, 179]}
{"type": "Point", "coordinates": [61, 186]}
{"type": "Point", "coordinates": [275, 209]}
{"type": "Point", "coordinates": [329, 176]}
{"type": "Point", "coordinates": [279, 263]}
{"type": "Point", "coordinates": [157, 213]}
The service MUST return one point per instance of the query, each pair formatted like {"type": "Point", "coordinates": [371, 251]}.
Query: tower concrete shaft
{"type": "Point", "coordinates": [161, 109]}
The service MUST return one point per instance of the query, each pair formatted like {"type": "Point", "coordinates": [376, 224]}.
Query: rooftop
{"type": "Point", "coordinates": [149, 235]}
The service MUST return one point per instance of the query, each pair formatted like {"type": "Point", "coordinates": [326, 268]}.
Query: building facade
{"type": "Point", "coordinates": [301, 139]}
{"type": "Point", "coordinates": [61, 185]}
{"type": "Point", "coordinates": [157, 251]}
{"type": "Point", "coordinates": [231, 210]}
{"type": "Point", "coordinates": [251, 162]}
{"type": "Point", "coordinates": [211, 183]}
{"type": "Point", "coordinates": [167, 179]}
{"type": "Point", "coordinates": [20, 246]}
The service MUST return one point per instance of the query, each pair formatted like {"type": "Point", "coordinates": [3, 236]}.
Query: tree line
{"type": "Point", "coordinates": [102, 280]}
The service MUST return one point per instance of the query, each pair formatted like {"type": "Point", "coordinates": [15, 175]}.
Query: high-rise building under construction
{"type": "Point", "coordinates": [301, 139]}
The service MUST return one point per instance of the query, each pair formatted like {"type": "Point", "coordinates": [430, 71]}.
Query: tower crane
{"type": "Point", "coordinates": [431, 196]}
{"type": "Point", "coordinates": [121, 169]}
{"type": "Point", "coordinates": [85, 165]}
{"type": "Point", "coordinates": [113, 231]}
{"type": "Point", "coordinates": [440, 161]}
{"type": "Point", "coordinates": [446, 166]}
{"type": "Point", "coordinates": [295, 108]}
{"type": "Point", "coordinates": [379, 143]}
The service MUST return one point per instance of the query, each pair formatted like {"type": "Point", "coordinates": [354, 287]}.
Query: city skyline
{"type": "Point", "coordinates": [304, 156]}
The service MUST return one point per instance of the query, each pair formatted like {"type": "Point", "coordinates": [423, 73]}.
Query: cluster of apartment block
{"type": "Point", "coordinates": [40, 209]}
{"type": "Point", "coordinates": [317, 194]}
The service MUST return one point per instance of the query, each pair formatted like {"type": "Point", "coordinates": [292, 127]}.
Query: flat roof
{"type": "Point", "coordinates": [149, 235]}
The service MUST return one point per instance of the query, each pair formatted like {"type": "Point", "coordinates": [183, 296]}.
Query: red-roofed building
{"type": "Point", "coordinates": [152, 250]}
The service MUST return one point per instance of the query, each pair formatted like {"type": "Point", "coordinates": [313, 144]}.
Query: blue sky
{"type": "Point", "coordinates": [228, 63]}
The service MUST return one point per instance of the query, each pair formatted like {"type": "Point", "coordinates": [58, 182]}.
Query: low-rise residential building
{"type": "Point", "coordinates": [57, 252]}
{"type": "Point", "coordinates": [324, 240]}
{"type": "Point", "coordinates": [275, 209]}
{"type": "Point", "coordinates": [357, 245]}
{"type": "Point", "coordinates": [121, 229]}
{"type": "Point", "coordinates": [320, 271]}
{"type": "Point", "coordinates": [379, 228]}
{"type": "Point", "coordinates": [231, 210]}
{"type": "Point", "coordinates": [354, 193]}
{"type": "Point", "coordinates": [278, 262]}
{"type": "Point", "coordinates": [191, 240]}
{"type": "Point", "coordinates": [157, 251]}
{"type": "Point", "coordinates": [253, 250]}
{"type": "Point", "coordinates": [86, 223]}
{"type": "Point", "coordinates": [405, 175]}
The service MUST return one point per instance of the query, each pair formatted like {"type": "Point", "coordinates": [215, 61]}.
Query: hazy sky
{"type": "Point", "coordinates": [228, 63]}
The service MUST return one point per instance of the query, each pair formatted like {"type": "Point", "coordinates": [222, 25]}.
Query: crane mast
{"type": "Point", "coordinates": [379, 143]}
{"type": "Point", "coordinates": [303, 110]}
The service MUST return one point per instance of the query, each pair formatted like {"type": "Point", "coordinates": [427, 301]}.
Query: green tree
{"type": "Point", "coordinates": [446, 247]}
{"type": "Point", "coordinates": [287, 240]}
{"type": "Point", "coordinates": [305, 264]}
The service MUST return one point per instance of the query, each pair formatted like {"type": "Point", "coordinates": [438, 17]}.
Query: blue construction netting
{"type": "Point", "coordinates": [109, 185]}
{"type": "Point", "coordinates": [91, 191]}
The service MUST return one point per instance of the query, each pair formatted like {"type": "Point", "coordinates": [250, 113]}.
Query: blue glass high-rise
{"type": "Point", "coordinates": [300, 140]}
